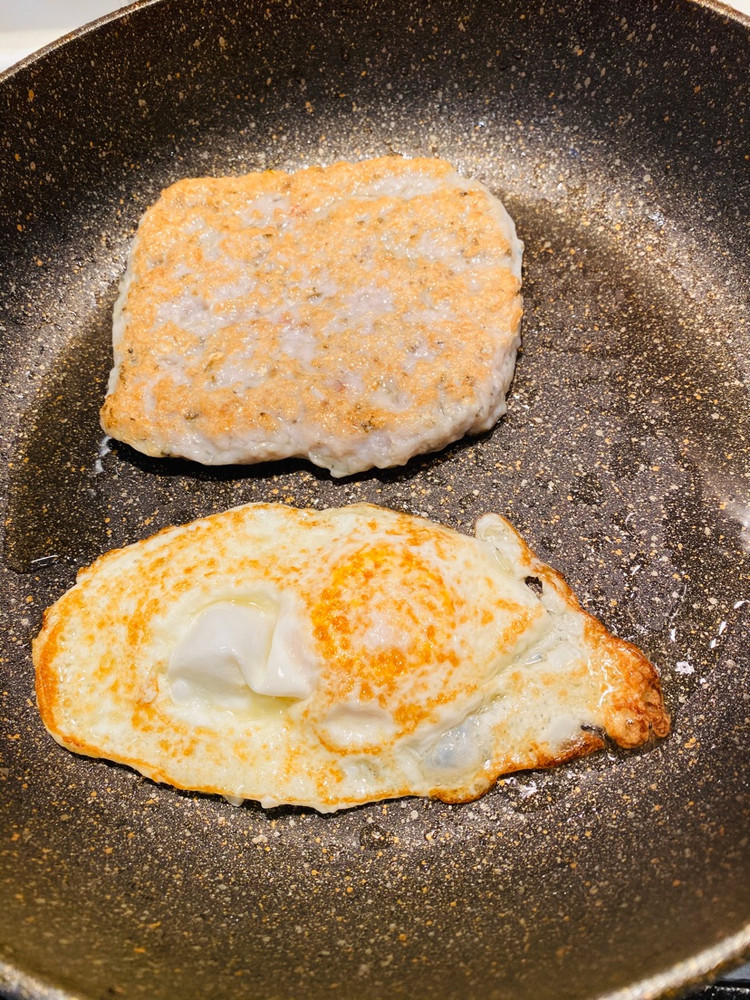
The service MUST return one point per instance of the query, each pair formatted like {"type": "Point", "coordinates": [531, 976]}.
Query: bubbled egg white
{"type": "Point", "coordinates": [330, 658]}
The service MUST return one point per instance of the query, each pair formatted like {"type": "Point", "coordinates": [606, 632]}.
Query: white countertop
{"type": "Point", "coordinates": [27, 25]}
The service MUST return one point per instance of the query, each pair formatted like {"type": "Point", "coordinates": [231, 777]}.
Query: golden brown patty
{"type": "Point", "coordinates": [356, 315]}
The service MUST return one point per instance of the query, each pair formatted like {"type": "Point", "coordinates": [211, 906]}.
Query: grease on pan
{"type": "Point", "coordinates": [355, 315]}
{"type": "Point", "coordinates": [332, 658]}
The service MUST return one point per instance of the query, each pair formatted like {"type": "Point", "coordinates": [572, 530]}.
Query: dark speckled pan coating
{"type": "Point", "coordinates": [617, 134]}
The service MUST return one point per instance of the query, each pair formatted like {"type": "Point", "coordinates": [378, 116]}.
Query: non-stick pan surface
{"type": "Point", "coordinates": [617, 135]}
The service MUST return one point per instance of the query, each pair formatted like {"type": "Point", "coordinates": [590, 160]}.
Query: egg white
{"type": "Point", "coordinates": [330, 658]}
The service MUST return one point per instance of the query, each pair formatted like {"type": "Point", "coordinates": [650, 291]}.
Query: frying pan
{"type": "Point", "coordinates": [617, 136]}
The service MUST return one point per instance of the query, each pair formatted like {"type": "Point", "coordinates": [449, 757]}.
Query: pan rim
{"type": "Point", "coordinates": [723, 8]}
{"type": "Point", "coordinates": [63, 40]}
{"type": "Point", "coordinates": [717, 6]}
{"type": "Point", "coordinates": [692, 973]}
{"type": "Point", "coordinates": [695, 972]}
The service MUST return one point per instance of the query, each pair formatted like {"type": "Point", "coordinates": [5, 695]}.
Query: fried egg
{"type": "Point", "coordinates": [355, 315]}
{"type": "Point", "coordinates": [331, 658]}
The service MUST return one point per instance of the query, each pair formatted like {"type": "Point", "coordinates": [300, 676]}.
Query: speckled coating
{"type": "Point", "coordinates": [616, 135]}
